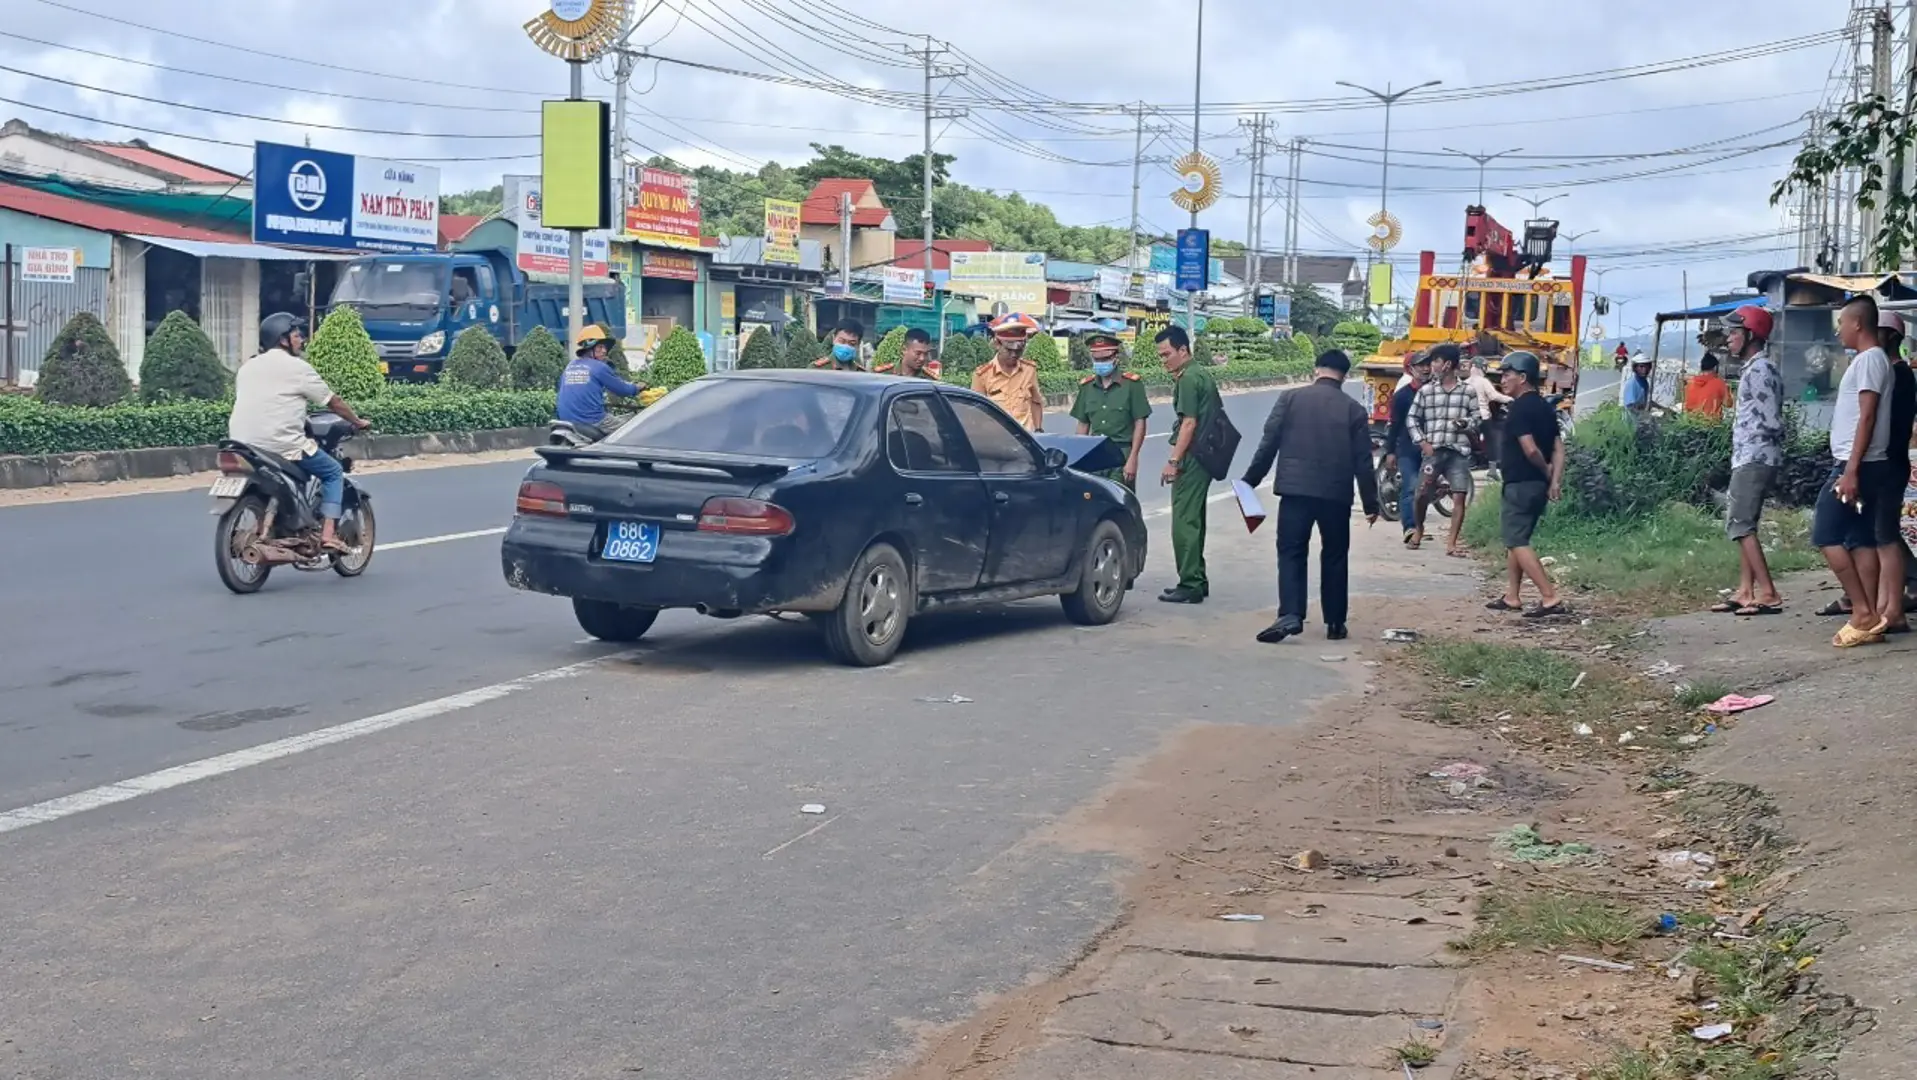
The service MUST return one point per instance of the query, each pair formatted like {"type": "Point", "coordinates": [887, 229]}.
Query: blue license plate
{"type": "Point", "coordinates": [631, 541]}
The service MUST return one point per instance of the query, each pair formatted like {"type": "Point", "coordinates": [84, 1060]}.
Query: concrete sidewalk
{"type": "Point", "coordinates": [1837, 751]}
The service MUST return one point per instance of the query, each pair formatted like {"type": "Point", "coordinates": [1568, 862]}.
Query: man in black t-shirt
{"type": "Point", "coordinates": [1532, 458]}
{"type": "Point", "coordinates": [1903, 417]}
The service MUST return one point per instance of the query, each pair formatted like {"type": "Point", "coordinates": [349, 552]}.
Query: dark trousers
{"type": "Point", "coordinates": [1297, 516]}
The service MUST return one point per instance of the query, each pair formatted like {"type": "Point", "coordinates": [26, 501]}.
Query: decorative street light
{"type": "Point", "coordinates": [1383, 241]}
{"type": "Point", "coordinates": [1482, 160]}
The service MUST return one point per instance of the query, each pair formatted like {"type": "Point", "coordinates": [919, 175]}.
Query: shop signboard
{"type": "Point", "coordinates": [781, 232]}
{"type": "Point", "coordinates": [304, 197]}
{"type": "Point", "coordinates": [1013, 278]}
{"type": "Point", "coordinates": [49, 264]}
{"type": "Point", "coordinates": [660, 264]}
{"type": "Point", "coordinates": [1194, 259]}
{"type": "Point", "coordinates": [543, 250]}
{"type": "Point", "coordinates": [662, 207]}
{"type": "Point", "coordinates": [904, 285]}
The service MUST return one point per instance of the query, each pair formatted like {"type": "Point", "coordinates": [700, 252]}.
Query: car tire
{"type": "Point", "coordinates": [1101, 578]}
{"type": "Point", "coordinates": [613, 622]}
{"type": "Point", "coordinates": [869, 624]}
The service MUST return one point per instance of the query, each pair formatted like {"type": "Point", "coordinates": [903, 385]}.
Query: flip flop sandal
{"type": "Point", "coordinates": [1501, 604]}
{"type": "Point", "coordinates": [1835, 607]}
{"type": "Point", "coordinates": [1749, 610]}
{"type": "Point", "coordinates": [1849, 637]}
{"type": "Point", "coordinates": [1547, 612]}
{"type": "Point", "coordinates": [1737, 703]}
{"type": "Point", "coordinates": [1726, 607]}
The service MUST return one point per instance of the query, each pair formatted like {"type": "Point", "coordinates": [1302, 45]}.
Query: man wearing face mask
{"type": "Point", "coordinates": [1112, 403]}
{"type": "Point", "coordinates": [1009, 379]}
{"type": "Point", "coordinates": [844, 356]}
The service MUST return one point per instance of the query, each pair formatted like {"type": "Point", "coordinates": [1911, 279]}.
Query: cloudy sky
{"type": "Point", "coordinates": [458, 85]}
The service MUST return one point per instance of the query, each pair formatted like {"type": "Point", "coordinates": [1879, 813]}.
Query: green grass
{"type": "Point", "coordinates": [1696, 695]}
{"type": "Point", "coordinates": [1674, 560]}
{"type": "Point", "coordinates": [1417, 1053]}
{"type": "Point", "coordinates": [1501, 671]}
{"type": "Point", "coordinates": [1552, 921]}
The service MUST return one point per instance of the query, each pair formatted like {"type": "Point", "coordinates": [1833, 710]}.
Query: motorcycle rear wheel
{"type": "Point", "coordinates": [235, 530]}
{"type": "Point", "coordinates": [354, 563]}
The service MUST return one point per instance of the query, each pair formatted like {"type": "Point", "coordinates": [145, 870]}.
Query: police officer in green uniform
{"type": "Point", "coordinates": [1195, 399]}
{"type": "Point", "coordinates": [1112, 403]}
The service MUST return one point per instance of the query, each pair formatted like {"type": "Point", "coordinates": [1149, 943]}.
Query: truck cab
{"type": "Point", "coordinates": [415, 305]}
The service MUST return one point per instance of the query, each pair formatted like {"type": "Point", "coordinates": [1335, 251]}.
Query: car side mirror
{"type": "Point", "coordinates": [302, 282]}
{"type": "Point", "coordinates": [1056, 459]}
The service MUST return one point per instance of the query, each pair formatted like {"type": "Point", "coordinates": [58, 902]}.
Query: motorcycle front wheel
{"type": "Point", "coordinates": [356, 527]}
{"type": "Point", "coordinates": [234, 532]}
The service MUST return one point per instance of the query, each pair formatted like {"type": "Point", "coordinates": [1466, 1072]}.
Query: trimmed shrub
{"type": "Point", "coordinates": [477, 362]}
{"type": "Point", "coordinates": [802, 346]}
{"type": "Point", "coordinates": [1359, 340]}
{"type": "Point", "coordinates": [344, 356]}
{"type": "Point", "coordinates": [890, 350]}
{"type": "Point", "coordinates": [962, 356]}
{"type": "Point", "coordinates": [677, 361]}
{"type": "Point", "coordinates": [82, 367]}
{"type": "Point", "coordinates": [761, 351]}
{"type": "Point", "coordinates": [181, 363]}
{"type": "Point", "coordinates": [537, 362]}
{"type": "Point", "coordinates": [1043, 351]}
{"type": "Point", "coordinates": [1079, 354]}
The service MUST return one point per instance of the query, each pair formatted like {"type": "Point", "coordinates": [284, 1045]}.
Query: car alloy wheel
{"type": "Point", "coordinates": [879, 605]}
{"type": "Point", "coordinates": [1107, 577]}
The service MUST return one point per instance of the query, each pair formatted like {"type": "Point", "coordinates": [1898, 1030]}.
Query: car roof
{"type": "Point", "coordinates": [864, 383]}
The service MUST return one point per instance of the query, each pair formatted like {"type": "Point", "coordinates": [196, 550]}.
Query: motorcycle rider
{"type": "Point", "coordinates": [271, 393]}
{"type": "Point", "coordinates": [587, 380]}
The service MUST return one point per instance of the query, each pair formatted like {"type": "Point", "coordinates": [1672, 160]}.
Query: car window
{"type": "Point", "coordinates": [996, 441]}
{"type": "Point", "coordinates": [914, 440]}
{"type": "Point", "coordinates": [755, 417]}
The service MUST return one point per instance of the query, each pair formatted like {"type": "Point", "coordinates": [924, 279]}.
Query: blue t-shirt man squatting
{"type": "Point", "coordinates": [583, 387]}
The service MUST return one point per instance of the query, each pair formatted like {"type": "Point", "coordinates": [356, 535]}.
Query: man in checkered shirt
{"type": "Point", "coordinates": [1443, 417]}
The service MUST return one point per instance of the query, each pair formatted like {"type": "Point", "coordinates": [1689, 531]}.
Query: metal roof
{"type": "Point", "coordinates": [107, 219]}
{"type": "Point", "coordinates": [239, 249]}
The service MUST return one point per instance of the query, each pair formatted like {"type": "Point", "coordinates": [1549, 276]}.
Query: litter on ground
{"type": "Point", "coordinates": [1523, 843]}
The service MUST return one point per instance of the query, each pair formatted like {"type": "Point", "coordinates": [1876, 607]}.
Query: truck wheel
{"type": "Point", "coordinates": [613, 622]}
{"type": "Point", "coordinates": [869, 624]}
{"type": "Point", "coordinates": [1101, 578]}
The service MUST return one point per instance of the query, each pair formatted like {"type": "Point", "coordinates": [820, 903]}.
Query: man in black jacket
{"type": "Point", "coordinates": [1321, 440]}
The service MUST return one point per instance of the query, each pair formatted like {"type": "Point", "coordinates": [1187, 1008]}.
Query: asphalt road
{"type": "Point", "coordinates": [600, 872]}
{"type": "Point", "coordinates": [131, 657]}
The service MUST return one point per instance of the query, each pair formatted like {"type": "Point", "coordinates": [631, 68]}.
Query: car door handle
{"type": "Point", "coordinates": [1001, 497]}
{"type": "Point", "coordinates": [913, 498]}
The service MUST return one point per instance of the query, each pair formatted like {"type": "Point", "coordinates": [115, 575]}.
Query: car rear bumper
{"type": "Point", "coordinates": [693, 570]}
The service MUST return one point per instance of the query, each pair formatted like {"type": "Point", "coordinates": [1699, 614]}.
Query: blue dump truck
{"type": "Point", "coordinates": [414, 305]}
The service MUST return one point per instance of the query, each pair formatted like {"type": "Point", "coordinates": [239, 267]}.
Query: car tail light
{"type": "Point", "coordinates": [745, 517]}
{"type": "Point", "coordinates": [540, 497]}
{"type": "Point", "coordinates": [232, 462]}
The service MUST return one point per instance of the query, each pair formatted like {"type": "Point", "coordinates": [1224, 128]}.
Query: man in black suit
{"type": "Point", "coordinates": [1321, 440]}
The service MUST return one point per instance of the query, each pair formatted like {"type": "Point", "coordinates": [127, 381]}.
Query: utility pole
{"type": "Point", "coordinates": [1483, 160]}
{"type": "Point", "coordinates": [1138, 158]}
{"type": "Point", "coordinates": [930, 56]}
{"type": "Point", "coordinates": [1250, 284]}
{"type": "Point", "coordinates": [624, 60]}
{"type": "Point", "coordinates": [1537, 204]}
{"type": "Point", "coordinates": [845, 246]}
{"type": "Point", "coordinates": [1899, 178]}
{"type": "Point", "coordinates": [1386, 97]}
{"type": "Point", "coordinates": [1880, 88]}
{"type": "Point", "coordinates": [575, 238]}
{"type": "Point", "coordinates": [1291, 215]}
{"type": "Point", "coordinates": [1197, 95]}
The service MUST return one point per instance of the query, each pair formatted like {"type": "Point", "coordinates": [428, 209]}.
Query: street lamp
{"type": "Point", "coordinates": [1571, 240]}
{"type": "Point", "coordinates": [1537, 204]}
{"type": "Point", "coordinates": [1482, 160]}
{"type": "Point", "coordinates": [1386, 97]}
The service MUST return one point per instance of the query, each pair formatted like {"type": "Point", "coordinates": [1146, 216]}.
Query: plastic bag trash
{"type": "Point", "coordinates": [1401, 635]}
{"type": "Point", "coordinates": [1604, 965]}
{"type": "Point", "coordinates": [1460, 770]}
{"type": "Point", "coordinates": [1582, 729]}
{"type": "Point", "coordinates": [1236, 917]}
{"type": "Point", "coordinates": [1663, 667]}
{"type": "Point", "coordinates": [1626, 738]}
{"type": "Point", "coordinates": [1711, 1032]}
{"type": "Point", "coordinates": [812, 808]}
{"type": "Point", "coordinates": [953, 699]}
{"type": "Point", "coordinates": [1680, 860]}
{"type": "Point", "coordinates": [1689, 740]}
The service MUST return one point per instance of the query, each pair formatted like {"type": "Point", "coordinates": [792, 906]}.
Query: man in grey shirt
{"type": "Point", "coordinates": [1757, 453]}
{"type": "Point", "coordinates": [1845, 523]}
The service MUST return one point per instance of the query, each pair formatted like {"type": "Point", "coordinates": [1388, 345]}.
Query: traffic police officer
{"type": "Point", "coordinates": [1112, 403]}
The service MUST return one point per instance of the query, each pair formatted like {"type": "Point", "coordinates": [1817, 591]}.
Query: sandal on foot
{"type": "Point", "coordinates": [1835, 607]}
{"type": "Point", "coordinates": [1501, 604]}
{"type": "Point", "coordinates": [1749, 610]}
{"type": "Point", "coordinates": [1849, 637]}
{"type": "Point", "coordinates": [1545, 612]}
{"type": "Point", "coordinates": [1725, 607]}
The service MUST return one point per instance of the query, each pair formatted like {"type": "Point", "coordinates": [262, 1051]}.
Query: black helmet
{"type": "Point", "coordinates": [1525, 364]}
{"type": "Point", "coordinates": [276, 326]}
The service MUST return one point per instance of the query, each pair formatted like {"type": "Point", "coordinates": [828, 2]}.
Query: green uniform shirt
{"type": "Point", "coordinates": [1196, 395]}
{"type": "Point", "coordinates": [1112, 411]}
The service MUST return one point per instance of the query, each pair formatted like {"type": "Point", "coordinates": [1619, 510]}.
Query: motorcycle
{"type": "Point", "coordinates": [269, 512]}
{"type": "Point", "coordinates": [567, 433]}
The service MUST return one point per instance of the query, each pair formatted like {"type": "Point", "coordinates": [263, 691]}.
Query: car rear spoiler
{"type": "Point", "coordinates": [608, 458]}
{"type": "Point", "coordinates": [1086, 453]}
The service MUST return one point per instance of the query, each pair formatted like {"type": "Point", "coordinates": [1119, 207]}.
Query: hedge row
{"type": "Point", "coordinates": [1153, 375]}
{"type": "Point", "coordinates": [28, 426]}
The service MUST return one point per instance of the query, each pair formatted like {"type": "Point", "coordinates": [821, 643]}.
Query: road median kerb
{"type": "Point", "coordinates": [83, 467]}
{"type": "Point", "coordinates": [20, 471]}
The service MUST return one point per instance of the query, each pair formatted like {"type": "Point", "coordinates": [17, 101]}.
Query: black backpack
{"type": "Point", "coordinates": [1216, 442]}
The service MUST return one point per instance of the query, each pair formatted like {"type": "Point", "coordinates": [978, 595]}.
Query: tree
{"type": "Point", "coordinates": [1358, 340]}
{"type": "Point", "coordinates": [82, 367]}
{"type": "Point", "coordinates": [477, 362]}
{"type": "Point", "coordinates": [962, 355]}
{"type": "Point", "coordinates": [677, 361]}
{"type": "Point", "coordinates": [1043, 351]}
{"type": "Point", "coordinates": [802, 346]}
{"type": "Point", "coordinates": [761, 351]}
{"type": "Point", "coordinates": [1079, 354]}
{"type": "Point", "coordinates": [344, 356]}
{"type": "Point", "coordinates": [537, 362]}
{"type": "Point", "coordinates": [1311, 313]}
{"type": "Point", "coordinates": [890, 350]}
{"type": "Point", "coordinates": [478, 201]}
{"type": "Point", "coordinates": [1862, 136]}
{"type": "Point", "coordinates": [181, 363]}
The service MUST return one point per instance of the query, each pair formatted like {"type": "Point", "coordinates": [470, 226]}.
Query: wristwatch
{"type": "Point", "coordinates": [1175, 462]}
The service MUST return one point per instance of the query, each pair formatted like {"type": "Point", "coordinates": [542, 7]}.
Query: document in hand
{"type": "Point", "coordinates": [1249, 505]}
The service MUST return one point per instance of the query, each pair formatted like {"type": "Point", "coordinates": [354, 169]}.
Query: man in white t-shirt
{"type": "Point", "coordinates": [270, 398]}
{"type": "Point", "coordinates": [1844, 524]}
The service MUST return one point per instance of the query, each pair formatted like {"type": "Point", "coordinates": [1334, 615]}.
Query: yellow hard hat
{"type": "Point", "coordinates": [589, 335]}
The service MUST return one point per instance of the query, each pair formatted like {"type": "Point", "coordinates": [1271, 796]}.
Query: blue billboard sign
{"type": "Point", "coordinates": [1267, 308]}
{"type": "Point", "coordinates": [304, 197]}
{"type": "Point", "coordinates": [1194, 259]}
{"type": "Point", "coordinates": [1164, 259]}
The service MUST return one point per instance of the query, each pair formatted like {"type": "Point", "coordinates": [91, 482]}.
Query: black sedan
{"type": "Point", "coordinates": [857, 499]}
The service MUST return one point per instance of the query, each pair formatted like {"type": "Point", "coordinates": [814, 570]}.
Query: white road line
{"type": "Point", "coordinates": [108, 794]}
{"type": "Point", "coordinates": [424, 540]}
